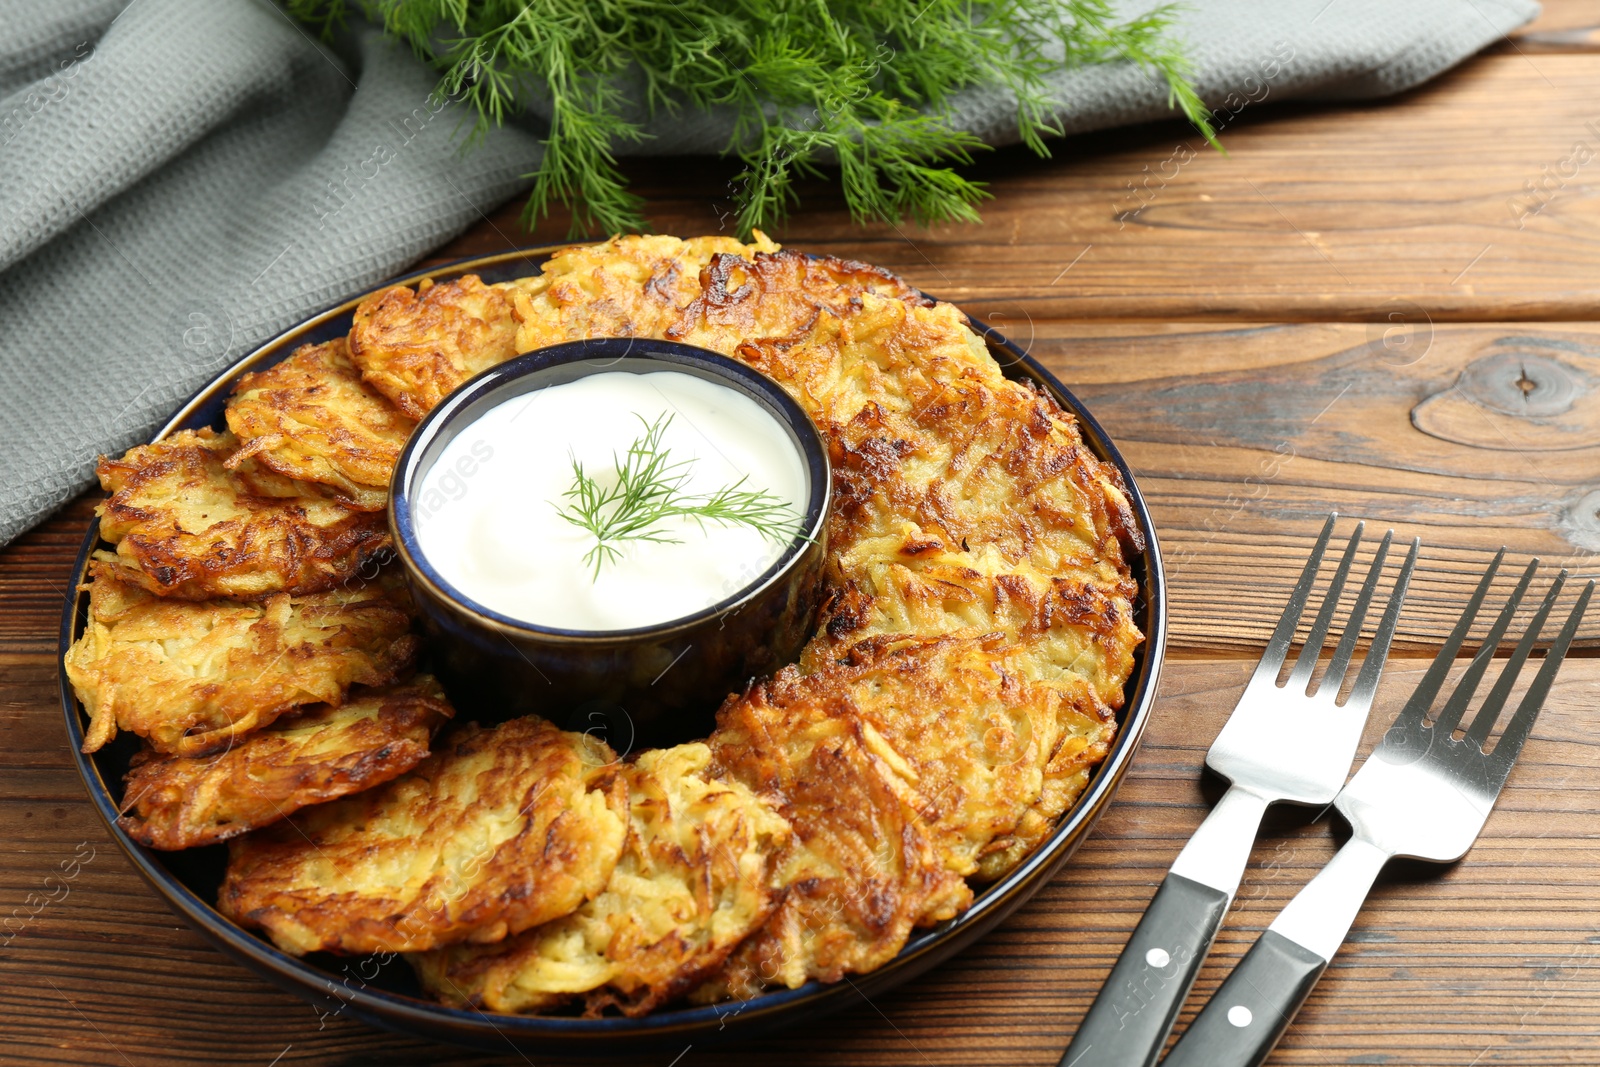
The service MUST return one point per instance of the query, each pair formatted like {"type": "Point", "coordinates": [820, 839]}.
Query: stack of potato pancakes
{"type": "Point", "coordinates": [977, 630]}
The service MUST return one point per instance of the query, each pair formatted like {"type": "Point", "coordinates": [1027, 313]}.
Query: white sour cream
{"type": "Point", "coordinates": [487, 512]}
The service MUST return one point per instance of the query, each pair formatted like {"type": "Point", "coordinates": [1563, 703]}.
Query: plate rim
{"type": "Point", "coordinates": [732, 1019]}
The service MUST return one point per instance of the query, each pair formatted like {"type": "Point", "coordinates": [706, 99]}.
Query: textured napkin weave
{"type": "Point", "coordinates": [180, 180]}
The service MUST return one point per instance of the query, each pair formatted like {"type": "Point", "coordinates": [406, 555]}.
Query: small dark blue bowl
{"type": "Point", "coordinates": [652, 685]}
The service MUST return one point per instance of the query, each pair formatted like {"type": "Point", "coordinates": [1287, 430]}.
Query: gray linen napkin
{"type": "Point", "coordinates": [182, 179]}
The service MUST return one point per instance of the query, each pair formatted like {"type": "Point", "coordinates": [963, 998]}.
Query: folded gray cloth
{"type": "Point", "coordinates": [180, 180]}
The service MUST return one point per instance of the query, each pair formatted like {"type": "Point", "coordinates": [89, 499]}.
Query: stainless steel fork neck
{"type": "Point", "coordinates": [1219, 851]}
{"type": "Point", "coordinates": [1320, 915]}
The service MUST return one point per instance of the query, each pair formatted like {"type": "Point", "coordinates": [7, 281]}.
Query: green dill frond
{"type": "Point", "coordinates": [1146, 42]}
{"type": "Point", "coordinates": [647, 489]}
{"type": "Point", "coordinates": [864, 86]}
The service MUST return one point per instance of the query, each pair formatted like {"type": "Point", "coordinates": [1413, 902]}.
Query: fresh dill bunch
{"type": "Point", "coordinates": [863, 85]}
{"type": "Point", "coordinates": [648, 489]}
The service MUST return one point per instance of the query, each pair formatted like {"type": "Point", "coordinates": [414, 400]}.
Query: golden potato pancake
{"type": "Point", "coordinates": [709, 291]}
{"type": "Point", "coordinates": [1064, 628]}
{"type": "Point", "coordinates": [186, 526]}
{"type": "Point", "coordinates": [499, 830]}
{"type": "Point", "coordinates": [863, 868]}
{"type": "Point", "coordinates": [779, 299]}
{"type": "Point", "coordinates": [312, 417]}
{"type": "Point", "coordinates": [1087, 730]}
{"type": "Point", "coordinates": [633, 286]}
{"type": "Point", "coordinates": [324, 752]}
{"type": "Point", "coordinates": [192, 676]}
{"type": "Point", "coordinates": [954, 717]}
{"type": "Point", "coordinates": [694, 879]}
{"type": "Point", "coordinates": [416, 345]}
{"type": "Point", "coordinates": [1068, 637]}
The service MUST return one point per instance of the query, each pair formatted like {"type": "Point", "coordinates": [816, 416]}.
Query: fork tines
{"type": "Point", "coordinates": [1413, 716]}
{"type": "Point", "coordinates": [1306, 662]}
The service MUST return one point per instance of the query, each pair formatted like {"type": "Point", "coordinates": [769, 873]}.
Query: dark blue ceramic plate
{"type": "Point", "coordinates": [383, 991]}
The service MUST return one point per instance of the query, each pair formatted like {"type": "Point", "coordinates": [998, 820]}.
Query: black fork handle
{"type": "Point", "coordinates": [1244, 1020]}
{"type": "Point", "coordinates": [1129, 1021]}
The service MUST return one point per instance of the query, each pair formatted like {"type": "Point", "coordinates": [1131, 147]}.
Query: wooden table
{"type": "Point", "coordinates": [1356, 308]}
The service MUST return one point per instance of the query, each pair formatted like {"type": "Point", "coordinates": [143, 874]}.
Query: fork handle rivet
{"type": "Point", "coordinates": [1240, 1016]}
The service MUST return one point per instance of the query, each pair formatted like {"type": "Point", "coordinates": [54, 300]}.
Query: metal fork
{"type": "Point", "coordinates": [1423, 793]}
{"type": "Point", "coordinates": [1287, 743]}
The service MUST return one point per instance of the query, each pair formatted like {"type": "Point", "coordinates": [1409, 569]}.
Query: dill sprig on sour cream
{"type": "Point", "coordinates": [648, 489]}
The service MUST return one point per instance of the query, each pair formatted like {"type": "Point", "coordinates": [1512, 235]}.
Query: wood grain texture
{"type": "Point", "coordinates": [35, 572]}
{"type": "Point", "coordinates": [1316, 213]}
{"type": "Point", "coordinates": [1496, 960]}
{"type": "Point", "coordinates": [1244, 437]}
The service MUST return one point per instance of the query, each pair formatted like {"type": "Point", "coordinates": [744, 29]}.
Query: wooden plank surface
{"type": "Point", "coordinates": [1244, 436]}
{"type": "Point", "coordinates": [1345, 311]}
